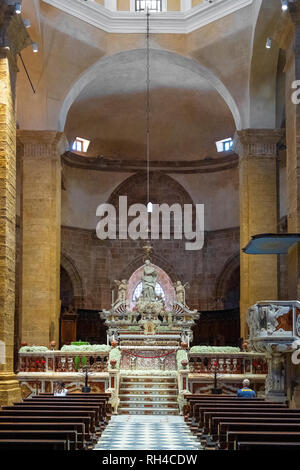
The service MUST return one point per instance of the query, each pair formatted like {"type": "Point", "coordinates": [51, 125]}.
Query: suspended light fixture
{"type": "Point", "coordinates": [284, 5]}
{"type": "Point", "coordinates": [269, 43]}
{"type": "Point", "coordinates": [18, 8]}
{"type": "Point", "coordinates": [35, 47]}
{"type": "Point", "coordinates": [27, 23]}
{"type": "Point", "coordinates": [149, 203]}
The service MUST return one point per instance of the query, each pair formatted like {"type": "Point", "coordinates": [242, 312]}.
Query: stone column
{"type": "Point", "coordinates": [41, 225]}
{"type": "Point", "coordinates": [292, 71]}
{"type": "Point", "coordinates": [13, 37]}
{"type": "Point", "coordinates": [258, 214]}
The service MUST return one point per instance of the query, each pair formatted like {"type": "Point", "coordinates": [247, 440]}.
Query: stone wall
{"type": "Point", "coordinates": [94, 264]}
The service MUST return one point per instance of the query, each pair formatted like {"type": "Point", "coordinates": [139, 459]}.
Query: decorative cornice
{"type": "Point", "coordinates": [133, 166]}
{"type": "Point", "coordinates": [172, 22]}
{"type": "Point", "coordinates": [41, 143]}
{"type": "Point", "coordinates": [13, 34]}
{"type": "Point", "coordinates": [257, 142]}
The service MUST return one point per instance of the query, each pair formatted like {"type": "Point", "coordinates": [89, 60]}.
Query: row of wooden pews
{"type": "Point", "coordinates": [48, 422]}
{"type": "Point", "coordinates": [231, 423]}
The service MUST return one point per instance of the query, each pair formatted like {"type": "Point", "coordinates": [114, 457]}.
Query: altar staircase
{"type": "Point", "coordinates": [144, 395]}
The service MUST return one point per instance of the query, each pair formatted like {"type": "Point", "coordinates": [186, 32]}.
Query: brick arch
{"type": "Point", "coordinates": [225, 278]}
{"type": "Point", "coordinates": [70, 267]}
{"type": "Point", "coordinates": [163, 189]}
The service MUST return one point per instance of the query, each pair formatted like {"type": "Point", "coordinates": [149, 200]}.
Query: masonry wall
{"type": "Point", "coordinates": [98, 263]}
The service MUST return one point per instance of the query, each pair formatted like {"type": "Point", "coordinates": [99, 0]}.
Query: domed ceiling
{"type": "Point", "coordinates": [187, 115]}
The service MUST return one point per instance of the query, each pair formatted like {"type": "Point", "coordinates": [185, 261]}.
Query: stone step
{"type": "Point", "coordinates": [149, 411]}
{"type": "Point", "coordinates": [146, 392]}
{"type": "Point", "coordinates": [150, 399]}
{"type": "Point", "coordinates": [147, 378]}
{"type": "Point", "coordinates": [148, 385]}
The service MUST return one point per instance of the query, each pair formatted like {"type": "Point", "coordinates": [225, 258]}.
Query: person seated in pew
{"type": "Point", "coordinates": [60, 390]}
{"type": "Point", "coordinates": [246, 391]}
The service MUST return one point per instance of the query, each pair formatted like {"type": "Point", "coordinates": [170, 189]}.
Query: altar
{"type": "Point", "coordinates": [149, 319]}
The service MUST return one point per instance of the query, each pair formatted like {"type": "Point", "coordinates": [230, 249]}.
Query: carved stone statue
{"type": "Point", "coordinates": [148, 282]}
{"type": "Point", "coordinates": [114, 400]}
{"type": "Point", "coordinates": [180, 292]}
{"type": "Point", "coordinates": [122, 291]}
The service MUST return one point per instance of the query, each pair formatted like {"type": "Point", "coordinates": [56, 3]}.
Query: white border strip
{"type": "Point", "coordinates": [175, 22]}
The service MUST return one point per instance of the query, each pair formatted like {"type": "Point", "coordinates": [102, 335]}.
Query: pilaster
{"type": "Point", "coordinates": [258, 214]}
{"type": "Point", "coordinates": [13, 37]}
{"type": "Point", "coordinates": [41, 225]}
{"type": "Point", "coordinates": [292, 71]}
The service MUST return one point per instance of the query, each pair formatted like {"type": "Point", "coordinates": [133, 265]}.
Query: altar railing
{"type": "Point", "coordinates": [231, 363]}
{"type": "Point", "coordinates": [60, 361]}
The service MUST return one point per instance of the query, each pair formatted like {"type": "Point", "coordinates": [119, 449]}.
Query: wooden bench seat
{"type": "Point", "coordinates": [236, 408]}
{"type": "Point", "coordinates": [270, 436]}
{"type": "Point", "coordinates": [99, 402]}
{"type": "Point", "coordinates": [69, 436]}
{"type": "Point", "coordinates": [214, 417]}
{"type": "Point", "coordinates": [215, 421]}
{"type": "Point", "coordinates": [277, 446]}
{"type": "Point", "coordinates": [255, 427]}
{"type": "Point", "coordinates": [57, 407]}
{"type": "Point", "coordinates": [33, 444]}
{"type": "Point", "coordinates": [42, 426]}
{"type": "Point", "coordinates": [25, 412]}
{"type": "Point", "coordinates": [85, 421]}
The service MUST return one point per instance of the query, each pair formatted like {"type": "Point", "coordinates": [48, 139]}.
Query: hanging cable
{"type": "Point", "coordinates": [149, 205]}
{"type": "Point", "coordinates": [26, 71]}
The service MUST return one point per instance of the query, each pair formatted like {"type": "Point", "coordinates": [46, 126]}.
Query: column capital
{"type": "Point", "coordinates": [294, 10]}
{"type": "Point", "coordinates": [41, 144]}
{"type": "Point", "coordinates": [13, 34]}
{"type": "Point", "coordinates": [257, 142]}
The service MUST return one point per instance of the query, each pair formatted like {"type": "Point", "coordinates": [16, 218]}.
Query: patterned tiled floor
{"type": "Point", "coordinates": [140, 432]}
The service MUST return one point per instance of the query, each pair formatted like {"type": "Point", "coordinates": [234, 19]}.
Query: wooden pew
{"type": "Point", "coordinates": [225, 428]}
{"type": "Point", "coordinates": [85, 421]}
{"type": "Point", "coordinates": [196, 405]}
{"type": "Point", "coordinates": [42, 426]}
{"type": "Point", "coordinates": [38, 413]}
{"type": "Point", "coordinates": [203, 407]}
{"type": "Point", "coordinates": [212, 419]}
{"type": "Point", "coordinates": [193, 399]}
{"type": "Point", "coordinates": [278, 446]}
{"type": "Point", "coordinates": [69, 436]}
{"type": "Point", "coordinates": [94, 410]}
{"type": "Point", "coordinates": [32, 444]}
{"type": "Point", "coordinates": [101, 403]}
{"type": "Point", "coordinates": [270, 436]}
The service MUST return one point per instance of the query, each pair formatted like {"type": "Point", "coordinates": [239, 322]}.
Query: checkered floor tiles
{"type": "Point", "coordinates": [140, 432]}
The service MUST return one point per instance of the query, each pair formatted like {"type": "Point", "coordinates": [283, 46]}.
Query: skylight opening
{"type": "Point", "coordinates": [80, 144]}
{"type": "Point", "coordinates": [224, 145]}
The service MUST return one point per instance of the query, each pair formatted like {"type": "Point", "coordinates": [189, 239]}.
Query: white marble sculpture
{"type": "Point", "coordinates": [180, 292]}
{"type": "Point", "coordinates": [122, 291]}
{"type": "Point", "coordinates": [114, 400]}
{"type": "Point", "coordinates": [149, 280]}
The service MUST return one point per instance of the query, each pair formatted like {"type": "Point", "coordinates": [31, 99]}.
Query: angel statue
{"type": "Point", "coordinates": [122, 291]}
{"type": "Point", "coordinates": [180, 292]}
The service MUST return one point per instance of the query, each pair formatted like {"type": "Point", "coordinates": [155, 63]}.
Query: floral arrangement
{"type": "Point", "coordinates": [214, 349]}
{"type": "Point", "coordinates": [134, 328]}
{"type": "Point", "coordinates": [151, 372]}
{"type": "Point", "coordinates": [33, 349]}
{"type": "Point", "coordinates": [91, 348]}
{"type": "Point", "coordinates": [115, 354]}
{"type": "Point", "coordinates": [181, 355]}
